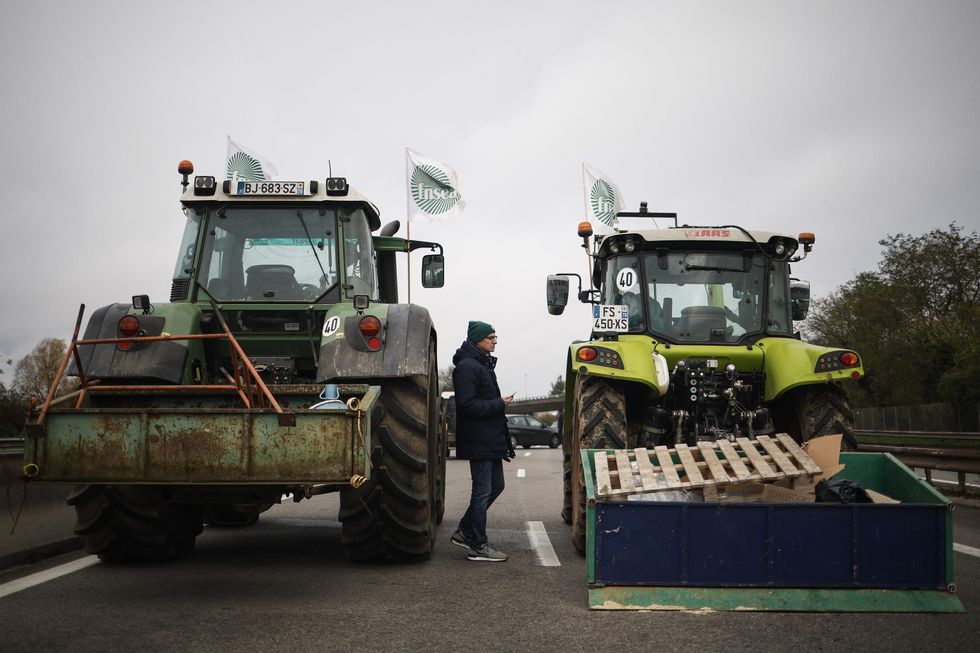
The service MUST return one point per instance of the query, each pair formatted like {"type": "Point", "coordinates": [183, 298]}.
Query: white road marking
{"type": "Point", "coordinates": [44, 576]}
{"type": "Point", "coordinates": [521, 473]}
{"type": "Point", "coordinates": [526, 454]}
{"type": "Point", "coordinates": [968, 550]}
{"type": "Point", "coordinates": [541, 544]}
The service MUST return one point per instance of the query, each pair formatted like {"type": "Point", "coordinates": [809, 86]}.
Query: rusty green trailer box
{"type": "Point", "coordinates": [665, 555]}
{"type": "Point", "coordinates": [201, 440]}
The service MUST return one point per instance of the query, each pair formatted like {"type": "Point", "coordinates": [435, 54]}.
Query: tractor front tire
{"type": "Point", "coordinates": [133, 522]}
{"type": "Point", "coordinates": [600, 423]}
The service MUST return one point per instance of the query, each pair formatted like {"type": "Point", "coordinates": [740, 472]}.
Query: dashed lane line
{"type": "Point", "coordinates": [521, 473]}
{"type": "Point", "coordinates": [541, 544]}
{"type": "Point", "coordinates": [527, 453]}
{"type": "Point", "coordinates": [968, 550]}
{"type": "Point", "coordinates": [48, 574]}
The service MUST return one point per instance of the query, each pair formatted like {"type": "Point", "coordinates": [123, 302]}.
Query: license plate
{"type": "Point", "coordinates": [270, 188]}
{"type": "Point", "coordinates": [611, 317]}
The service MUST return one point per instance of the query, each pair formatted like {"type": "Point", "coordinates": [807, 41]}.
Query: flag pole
{"type": "Point", "coordinates": [408, 227]}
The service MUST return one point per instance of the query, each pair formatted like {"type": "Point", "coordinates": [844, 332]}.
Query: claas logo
{"type": "Point", "coordinates": [709, 233]}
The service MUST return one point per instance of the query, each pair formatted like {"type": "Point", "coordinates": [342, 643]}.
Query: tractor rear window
{"type": "Point", "coordinates": [270, 254]}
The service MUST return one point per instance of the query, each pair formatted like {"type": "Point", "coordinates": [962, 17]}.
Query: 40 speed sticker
{"type": "Point", "coordinates": [331, 325]}
{"type": "Point", "coordinates": [611, 317]}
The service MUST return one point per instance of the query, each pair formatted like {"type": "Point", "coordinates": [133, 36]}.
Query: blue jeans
{"type": "Point", "coordinates": [488, 483]}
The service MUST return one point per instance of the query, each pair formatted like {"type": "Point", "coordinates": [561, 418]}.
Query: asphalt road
{"type": "Point", "coordinates": [284, 585]}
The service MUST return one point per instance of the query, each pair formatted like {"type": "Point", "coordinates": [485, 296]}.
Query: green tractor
{"type": "Point", "coordinates": [283, 366]}
{"type": "Point", "coordinates": [692, 340]}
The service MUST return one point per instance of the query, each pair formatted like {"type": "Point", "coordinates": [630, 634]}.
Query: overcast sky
{"type": "Point", "coordinates": [851, 119]}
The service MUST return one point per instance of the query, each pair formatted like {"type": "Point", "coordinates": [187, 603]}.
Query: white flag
{"type": "Point", "coordinates": [433, 191]}
{"type": "Point", "coordinates": [603, 199]}
{"type": "Point", "coordinates": [245, 164]}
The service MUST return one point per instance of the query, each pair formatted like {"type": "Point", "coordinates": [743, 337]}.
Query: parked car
{"type": "Point", "coordinates": [447, 419]}
{"type": "Point", "coordinates": [527, 430]}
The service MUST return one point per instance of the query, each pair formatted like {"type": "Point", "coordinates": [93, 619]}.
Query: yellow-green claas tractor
{"type": "Point", "coordinates": [692, 340]}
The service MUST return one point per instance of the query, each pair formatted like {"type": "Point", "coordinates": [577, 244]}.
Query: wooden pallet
{"type": "Point", "coordinates": [707, 467]}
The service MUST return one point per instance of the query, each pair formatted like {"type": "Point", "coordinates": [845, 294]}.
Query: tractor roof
{"type": "Point", "coordinates": [687, 236]}
{"type": "Point", "coordinates": [224, 192]}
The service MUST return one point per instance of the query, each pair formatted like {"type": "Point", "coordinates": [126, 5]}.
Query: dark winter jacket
{"type": "Point", "coordinates": [481, 428]}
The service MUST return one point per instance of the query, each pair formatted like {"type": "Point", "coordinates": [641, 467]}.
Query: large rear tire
{"type": "Point", "coordinates": [600, 423]}
{"type": "Point", "coordinates": [133, 522]}
{"type": "Point", "coordinates": [395, 513]}
{"type": "Point", "coordinates": [817, 410]}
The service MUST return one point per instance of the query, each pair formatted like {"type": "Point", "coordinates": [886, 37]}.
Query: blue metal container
{"type": "Point", "coordinates": [654, 544]}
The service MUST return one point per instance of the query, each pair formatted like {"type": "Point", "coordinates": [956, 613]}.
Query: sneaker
{"type": "Point", "coordinates": [486, 554]}
{"type": "Point", "coordinates": [459, 539]}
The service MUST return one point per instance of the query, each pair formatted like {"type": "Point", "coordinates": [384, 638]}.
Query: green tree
{"type": "Point", "coordinates": [915, 321]}
{"type": "Point", "coordinates": [557, 387]}
{"type": "Point", "coordinates": [13, 405]}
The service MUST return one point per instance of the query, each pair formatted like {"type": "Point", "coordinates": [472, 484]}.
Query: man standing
{"type": "Point", "coordinates": [481, 436]}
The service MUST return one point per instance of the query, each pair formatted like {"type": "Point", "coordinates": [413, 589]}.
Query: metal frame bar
{"type": "Point", "coordinates": [244, 374]}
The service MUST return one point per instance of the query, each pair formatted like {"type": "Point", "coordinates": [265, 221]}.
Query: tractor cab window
{"type": "Point", "coordinates": [359, 264]}
{"type": "Point", "coordinates": [623, 285]}
{"type": "Point", "coordinates": [705, 296]}
{"type": "Point", "coordinates": [780, 308]}
{"type": "Point", "coordinates": [188, 243]}
{"type": "Point", "coordinates": [260, 254]}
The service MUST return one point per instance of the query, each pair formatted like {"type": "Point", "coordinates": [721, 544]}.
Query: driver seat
{"type": "Point", "coordinates": [698, 322]}
{"type": "Point", "coordinates": [271, 281]}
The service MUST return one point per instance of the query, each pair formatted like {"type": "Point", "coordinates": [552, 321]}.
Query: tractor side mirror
{"type": "Point", "coordinates": [799, 298]}
{"type": "Point", "coordinates": [557, 292]}
{"type": "Point", "coordinates": [433, 271]}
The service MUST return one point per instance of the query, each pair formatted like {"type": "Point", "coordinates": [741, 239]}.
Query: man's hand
{"type": "Point", "coordinates": [509, 398]}
{"type": "Point", "coordinates": [511, 454]}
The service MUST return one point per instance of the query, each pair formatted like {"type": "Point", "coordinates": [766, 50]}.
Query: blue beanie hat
{"type": "Point", "coordinates": [477, 331]}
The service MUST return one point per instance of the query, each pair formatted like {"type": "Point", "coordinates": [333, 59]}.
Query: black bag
{"type": "Point", "coordinates": [841, 491]}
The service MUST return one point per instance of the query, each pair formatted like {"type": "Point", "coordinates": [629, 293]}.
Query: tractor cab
{"type": "Point", "coordinates": [694, 285]}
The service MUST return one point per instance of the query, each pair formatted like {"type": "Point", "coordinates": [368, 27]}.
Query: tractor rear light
{"type": "Point", "coordinates": [836, 360]}
{"type": "Point", "coordinates": [370, 326]}
{"type": "Point", "coordinates": [587, 354]}
{"type": "Point", "coordinates": [807, 238]}
{"type": "Point", "coordinates": [855, 375]}
{"type": "Point", "coordinates": [129, 326]}
{"type": "Point", "coordinates": [374, 344]}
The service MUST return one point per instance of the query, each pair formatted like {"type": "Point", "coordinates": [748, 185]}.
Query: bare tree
{"type": "Point", "coordinates": [446, 379]}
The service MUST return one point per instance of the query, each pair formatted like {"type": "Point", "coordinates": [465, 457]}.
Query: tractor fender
{"type": "Point", "coordinates": [158, 361]}
{"type": "Point", "coordinates": [407, 333]}
{"type": "Point", "coordinates": [790, 364]}
{"type": "Point", "coordinates": [627, 360]}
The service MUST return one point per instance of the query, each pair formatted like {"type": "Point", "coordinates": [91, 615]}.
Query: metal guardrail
{"type": "Point", "coordinates": [11, 447]}
{"type": "Point", "coordinates": [535, 405]}
{"type": "Point", "coordinates": [927, 450]}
